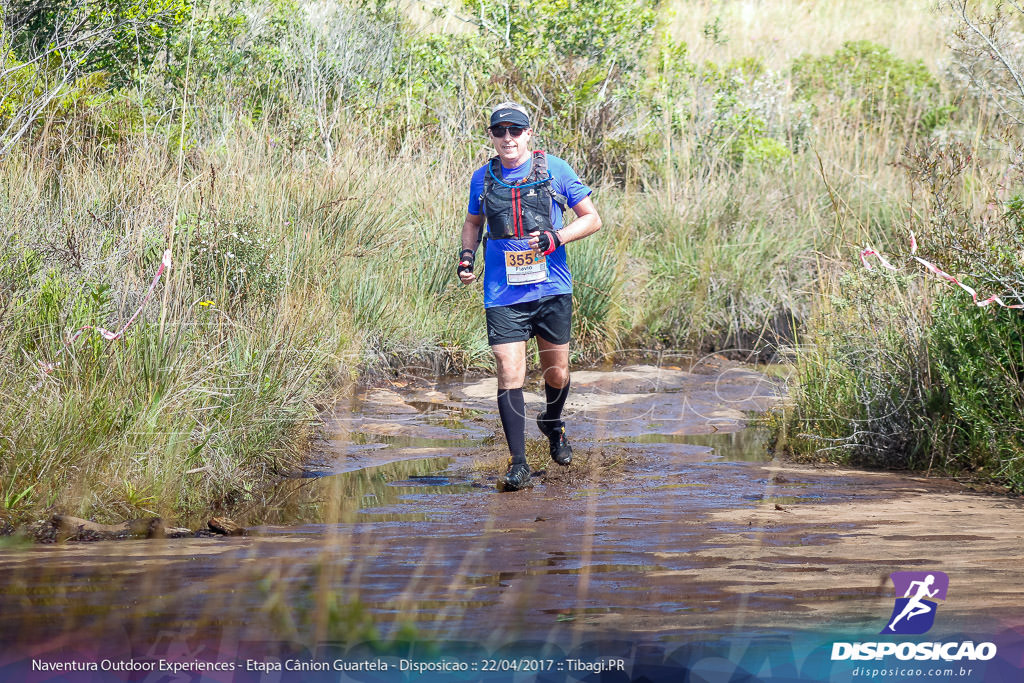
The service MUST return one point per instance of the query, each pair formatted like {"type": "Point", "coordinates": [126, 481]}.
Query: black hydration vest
{"type": "Point", "coordinates": [514, 211]}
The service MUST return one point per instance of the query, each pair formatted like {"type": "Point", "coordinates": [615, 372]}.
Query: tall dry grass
{"type": "Point", "coordinates": [781, 30]}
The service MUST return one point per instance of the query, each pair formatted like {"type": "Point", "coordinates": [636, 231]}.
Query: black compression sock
{"type": "Point", "coordinates": [512, 409]}
{"type": "Point", "coordinates": [556, 400]}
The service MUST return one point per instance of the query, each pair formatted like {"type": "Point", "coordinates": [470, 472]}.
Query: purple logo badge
{"type": "Point", "coordinates": [914, 612]}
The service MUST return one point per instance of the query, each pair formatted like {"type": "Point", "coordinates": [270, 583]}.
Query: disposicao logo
{"type": "Point", "coordinates": [914, 613]}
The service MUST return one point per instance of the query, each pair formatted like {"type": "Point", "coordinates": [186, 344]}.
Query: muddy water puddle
{"type": "Point", "coordinates": [672, 523]}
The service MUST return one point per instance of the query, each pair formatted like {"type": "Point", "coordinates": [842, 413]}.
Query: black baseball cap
{"type": "Point", "coordinates": [513, 117]}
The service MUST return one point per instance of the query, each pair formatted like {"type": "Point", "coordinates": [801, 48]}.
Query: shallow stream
{"type": "Point", "coordinates": [673, 523]}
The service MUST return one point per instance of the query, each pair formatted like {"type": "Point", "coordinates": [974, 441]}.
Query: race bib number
{"type": "Point", "coordinates": [525, 268]}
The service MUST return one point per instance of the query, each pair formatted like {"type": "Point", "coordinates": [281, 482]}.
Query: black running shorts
{"type": "Point", "coordinates": [549, 317]}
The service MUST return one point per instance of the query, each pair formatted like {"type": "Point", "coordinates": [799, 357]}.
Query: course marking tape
{"type": "Point", "coordinates": [868, 251]}
{"type": "Point", "coordinates": [165, 263]}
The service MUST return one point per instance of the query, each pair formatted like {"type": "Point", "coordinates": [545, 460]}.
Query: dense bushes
{"type": "Point", "coordinates": [121, 38]}
{"type": "Point", "coordinates": [607, 95]}
{"type": "Point", "coordinates": [896, 376]}
{"type": "Point", "coordinates": [945, 397]}
{"type": "Point", "coordinates": [872, 84]}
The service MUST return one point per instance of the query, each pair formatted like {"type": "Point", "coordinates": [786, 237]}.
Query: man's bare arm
{"type": "Point", "coordinates": [470, 240]}
{"type": "Point", "coordinates": [587, 222]}
{"type": "Point", "coordinates": [471, 231]}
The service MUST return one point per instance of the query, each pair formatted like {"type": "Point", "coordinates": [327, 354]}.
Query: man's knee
{"type": "Point", "coordinates": [510, 364]}
{"type": "Point", "coordinates": [554, 361]}
{"type": "Point", "coordinates": [556, 376]}
{"type": "Point", "coordinates": [511, 378]}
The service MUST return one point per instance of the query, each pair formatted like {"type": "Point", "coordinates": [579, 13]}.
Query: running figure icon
{"type": "Point", "coordinates": [915, 606]}
{"type": "Point", "coordinates": [914, 612]}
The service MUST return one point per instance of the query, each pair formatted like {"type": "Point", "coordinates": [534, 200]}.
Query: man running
{"type": "Point", "coordinates": [521, 195]}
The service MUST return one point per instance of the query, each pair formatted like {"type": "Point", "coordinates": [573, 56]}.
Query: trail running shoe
{"type": "Point", "coordinates": [517, 477]}
{"type": "Point", "coordinates": [561, 451]}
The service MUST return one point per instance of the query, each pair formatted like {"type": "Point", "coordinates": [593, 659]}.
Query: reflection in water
{"type": "Point", "coordinates": [744, 445]}
{"type": "Point", "coordinates": [401, 441]}
{"type": "Point", "coordinates": [341, 498]}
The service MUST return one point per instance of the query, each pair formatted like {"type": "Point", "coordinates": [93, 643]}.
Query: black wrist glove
{"type": "Point", "coordinates": [466, 259]}
{"type": "Point", "coordinates": [548, 242]}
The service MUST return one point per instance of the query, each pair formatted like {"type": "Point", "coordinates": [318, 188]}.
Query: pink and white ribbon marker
{"type": "Point", "coordinates": [165, 264]}
{"type": "Point", "coordinates": [868, 251]}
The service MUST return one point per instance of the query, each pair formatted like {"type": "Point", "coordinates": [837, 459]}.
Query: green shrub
{"type": "Point", "coordinates": [978, 355]}
{"type": "Point", "coordinates": [597, 31]}
{"type": "Point", "coordinates": [766, 151]}
{"type": "Point", "coordinates": [582, 67]}
{"type": "Point", "coordinates": [871, 83]}
{"type": "Point", "coordinates": [864, 389]}
{"type": "Point", "coordinates": [118, 37]}
{"type": "Point", "coordinates": [950, 232]}
{"type": "Point", "coordinates": [946, 397]}
{"type": "Point", "coordinates": [750, 118]}
{"type": "Point", "coordinates": [38, 95]}
{"type": "Point", "coordinates": [236, 52]}
{"type": "Point", "coordinates": [588, 115]}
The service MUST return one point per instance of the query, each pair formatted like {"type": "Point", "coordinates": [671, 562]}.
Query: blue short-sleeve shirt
{"type": "Point", "coordinates": [497, 291]}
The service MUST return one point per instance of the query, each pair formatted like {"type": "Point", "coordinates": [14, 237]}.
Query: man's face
{"type": "Point", "coordinates": [512, 149]}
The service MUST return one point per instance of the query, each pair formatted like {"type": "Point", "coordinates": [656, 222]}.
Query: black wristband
{"type": "Point", "coordinates": [467, 256]}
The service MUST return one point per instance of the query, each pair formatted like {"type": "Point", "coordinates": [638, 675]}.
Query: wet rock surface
{"type": "Point", "coordinates": [225, 527]}
{"type": "Point", "coordinates": [61, 528]}
{"type": "Point", "coordinates": [671, 523]}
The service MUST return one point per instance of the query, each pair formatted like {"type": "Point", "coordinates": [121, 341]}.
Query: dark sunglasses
{"type": "Point", "coordinates": [499, 131]}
